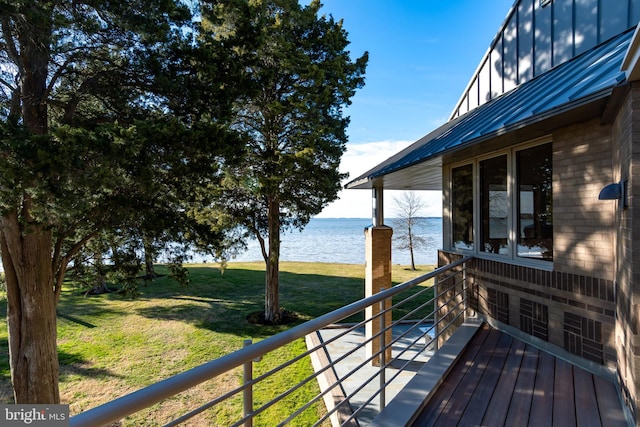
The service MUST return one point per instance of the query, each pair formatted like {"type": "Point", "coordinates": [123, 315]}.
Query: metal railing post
{"type": "Point", "coordinates": [247, 393]}
{"type": "Point", "coordinates": [383, 358]}
{"type": "Point", "coordinates": [436, 315]}
{"type": "Point", "coordinates": [464, 292]}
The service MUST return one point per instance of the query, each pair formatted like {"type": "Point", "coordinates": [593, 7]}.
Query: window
{"type": "Point", "coordinates": [494, 206]}
{"type": "Point", "coordinates": [535, 203]}
{"type": "Point", "coordinates": [502, 206]}
{"type": "Point", "coordinates": [462, 207]}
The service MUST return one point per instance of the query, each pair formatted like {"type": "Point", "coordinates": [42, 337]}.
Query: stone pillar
{"type": "Point", "coordinates": [377, 277]}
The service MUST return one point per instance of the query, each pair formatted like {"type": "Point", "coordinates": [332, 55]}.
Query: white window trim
{"type": "Point", "coordinates": [511, 257]}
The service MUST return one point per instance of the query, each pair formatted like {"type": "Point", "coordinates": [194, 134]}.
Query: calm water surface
{"type": "Point", "coordinates": [341, 240]}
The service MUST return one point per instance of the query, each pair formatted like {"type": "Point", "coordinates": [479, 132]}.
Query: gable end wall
{"type": "Point", "coordinates": [535, 38]}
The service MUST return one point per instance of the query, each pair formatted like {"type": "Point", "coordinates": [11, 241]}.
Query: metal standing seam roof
{"type": "Point", "coordinates": [591, 75]}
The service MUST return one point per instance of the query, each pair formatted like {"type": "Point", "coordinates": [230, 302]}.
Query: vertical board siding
{"type": "Point", "coordinates": [536, 37]}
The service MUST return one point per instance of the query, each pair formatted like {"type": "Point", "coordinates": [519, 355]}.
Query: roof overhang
{"type": "Point", "coordinates": [426, 174]}
{"type": "Point", "coordinates": [576, 91]}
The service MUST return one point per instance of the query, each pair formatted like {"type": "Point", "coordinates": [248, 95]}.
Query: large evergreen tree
{"type": "Point", "coordinates": [302, 76]}
{"type": "Point", "coordinates": [109, 113]}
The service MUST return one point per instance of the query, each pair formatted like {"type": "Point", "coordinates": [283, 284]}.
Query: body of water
{"type": "Point", "coordinates": [341, 240]}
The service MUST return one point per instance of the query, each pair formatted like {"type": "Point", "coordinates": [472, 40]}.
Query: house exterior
{"type": "Point", "coordinates": [539, 166]}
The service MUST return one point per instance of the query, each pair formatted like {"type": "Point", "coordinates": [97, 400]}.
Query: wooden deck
{"type": "Point", "coordinates": [501, 381]}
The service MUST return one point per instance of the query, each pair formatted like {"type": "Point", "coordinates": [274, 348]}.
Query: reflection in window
{"type": "Point", "coordinates": [494, 206]}
{"type": "Point", "coordinates": [462, 205]}
{"type": "Point", "coordinates": [535, 203]}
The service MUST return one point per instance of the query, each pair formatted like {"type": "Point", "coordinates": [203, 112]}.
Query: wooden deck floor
{"type": "Point", "coordinates": [501, 381]}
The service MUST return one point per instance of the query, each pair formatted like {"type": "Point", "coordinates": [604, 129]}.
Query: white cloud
{"type": "Point", "coordinates": [358, 159]}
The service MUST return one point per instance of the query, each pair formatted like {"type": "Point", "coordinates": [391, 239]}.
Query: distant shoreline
{"type": "Point", "coordinates": [341, 241]}
{"type": "Point", "coordinates": [365, 218]}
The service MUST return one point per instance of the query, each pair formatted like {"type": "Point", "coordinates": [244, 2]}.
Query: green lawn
{"type": "Point", "coordinates": [109, 346]}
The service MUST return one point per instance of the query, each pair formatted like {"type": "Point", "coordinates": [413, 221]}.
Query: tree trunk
{"type": "Point", "coordinates": [100, 287]}
{"type": "Point", "coordinates": [413, 263]}
{"type": "Point", "coordinates": [31, 311]}
{"type": "Point", "coordinates": [272, 278]}
{"type": "Point", "coordinates": [410, 234]}
{"type": "Point", "coordinates": [150, 272]}
{"type": "Point", "coordinates": [26, 245]}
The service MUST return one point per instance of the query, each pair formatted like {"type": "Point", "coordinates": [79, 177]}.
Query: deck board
{"type": "Point", "coordinates": [608, 398]}
{"type": "Point", "coordinates": [520, 405]}
{"type": "Point", "coordinates": [446, 390]}
{"type": "Point", "coordinates": [563, 406]}
{"type": "Point", "coordinates": [542, 401]}
{"type": "Point", "coordinates": [587, 413]}
{"type": "Point", "coordinates": [479, 402]}
{"type": "Point", "coordinates": [501, 381]}
{"type": "Point", "coordinates": [499, 403]}
{"type": "Point", "coordinates": [466, 387]}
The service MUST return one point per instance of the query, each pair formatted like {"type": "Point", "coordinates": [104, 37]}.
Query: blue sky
{"type": "Point", "coordinates": [422, 54]}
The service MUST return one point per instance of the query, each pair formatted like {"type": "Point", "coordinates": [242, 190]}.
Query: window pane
{"type": "Point", "coordinates": [494, 206]}
{"type": "Point", "coordinates": [462, 207]}
{"type": "Point", "coordinates": [535, 203]}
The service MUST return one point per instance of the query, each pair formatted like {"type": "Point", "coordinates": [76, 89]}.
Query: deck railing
{"type": "Point", "coordinates": [420, 309]}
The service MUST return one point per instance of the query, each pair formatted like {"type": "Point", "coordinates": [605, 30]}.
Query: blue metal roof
{"type": "Point", "coordinates": [589, 76]}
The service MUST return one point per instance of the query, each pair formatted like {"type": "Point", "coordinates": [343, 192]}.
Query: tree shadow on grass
{"type": "Point", "coordinates": [222, 303]}
{"type": "Point", "coordinates": [77, 308]}
{"type": "Point", "coordinates": [74, 364]}
{"type": "Point", "coordinates": [76, 320]}
{"type": "Point", "coordinates": [71, 364]}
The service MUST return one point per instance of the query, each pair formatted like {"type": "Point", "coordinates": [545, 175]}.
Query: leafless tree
{"type": "Point", "coordinates": [407, 224]}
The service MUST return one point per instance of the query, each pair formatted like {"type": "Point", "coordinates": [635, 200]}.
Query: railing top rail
{"type": "Point", "coordinates": [152, 394]}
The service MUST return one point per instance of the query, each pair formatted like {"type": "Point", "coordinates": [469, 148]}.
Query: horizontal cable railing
{"type": "Point", "coordinates": [428, 316]}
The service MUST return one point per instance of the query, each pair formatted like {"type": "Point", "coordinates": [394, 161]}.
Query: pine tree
{"type": "Point", "coordinates": [293, 123]}
{"type": "Point", "coordinates": [104, 120]}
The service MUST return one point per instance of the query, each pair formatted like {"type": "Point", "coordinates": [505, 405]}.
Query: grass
{"type": "Point", "coordinates": [110, 346]}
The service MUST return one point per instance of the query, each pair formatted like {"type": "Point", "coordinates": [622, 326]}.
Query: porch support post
{"type": "Point", "coordinates": [377, 206]}
{"type": "Point", "coordinates": [377, 277]}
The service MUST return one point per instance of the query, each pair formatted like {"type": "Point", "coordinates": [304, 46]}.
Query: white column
{"type": "Point", "coordinates": [377, 274]}
{"type": "Point", "coordinates": [377, 206]}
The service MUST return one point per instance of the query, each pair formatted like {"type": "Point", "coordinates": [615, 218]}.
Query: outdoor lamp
{"type": "Point", "coordinates": [615, 191]}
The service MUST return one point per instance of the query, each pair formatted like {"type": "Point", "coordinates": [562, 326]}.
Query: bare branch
{"type": "Point", "coordinates": [8, 85]}
{"type": "Point", "coordinates": [9, 42]}
{"type": "Point", "coordinates": [62, 262]}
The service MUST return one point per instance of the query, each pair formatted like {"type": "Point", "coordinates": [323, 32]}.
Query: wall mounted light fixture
{"type": "Point", "coordinates": [616, 191]}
